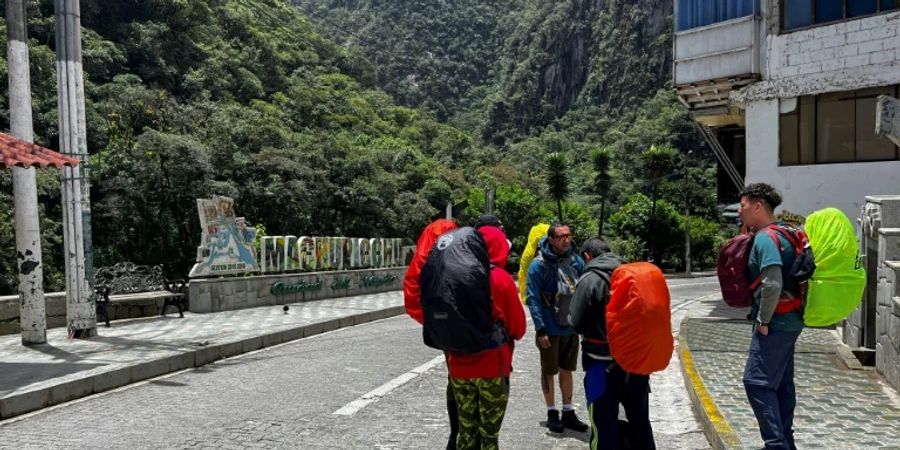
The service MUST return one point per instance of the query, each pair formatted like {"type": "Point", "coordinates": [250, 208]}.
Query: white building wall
{"type": "Point", "coordinates": [809, 188]}
{"type": "Point", "coordinates": [716, 51]}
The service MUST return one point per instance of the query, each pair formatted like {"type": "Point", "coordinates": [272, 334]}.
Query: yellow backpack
{"type": "Point", "coordinates": [531, 248]}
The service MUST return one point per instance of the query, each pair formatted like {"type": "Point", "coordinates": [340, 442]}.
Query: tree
{"type": "Point", "coordinates": [557, 180]}
{"type": "Point", "coordinates": [601, 159]}
{"type": "Point", "coordinates": [696, 192]}
{"type": "Point", "coordinates": [656, 163]}
{"type": "Point", "coordinates": [635, 226]}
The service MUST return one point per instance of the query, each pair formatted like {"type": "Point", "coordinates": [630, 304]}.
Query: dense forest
{"type": "Point", "coordinates": [364, 118]}
{"type": "Point", "coordinates": [570, 77]}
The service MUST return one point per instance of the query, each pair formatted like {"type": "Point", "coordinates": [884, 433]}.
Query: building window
{"type": "Point", "coordinates": [834, 128]}
{"type": "Point", "coordinates": [805, 13]}
{"type": "Point", "coordinates": [698, 13]}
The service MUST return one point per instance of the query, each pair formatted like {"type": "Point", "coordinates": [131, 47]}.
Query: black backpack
{"type": "Point", "coordinates": [456, 295]}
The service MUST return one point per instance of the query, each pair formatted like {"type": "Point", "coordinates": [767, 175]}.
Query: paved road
{"type": "Point", "coordinates": [287, 397]}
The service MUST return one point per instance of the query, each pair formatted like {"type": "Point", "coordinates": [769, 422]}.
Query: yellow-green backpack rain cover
{"type": "Point", "coordinates": [836, 287]}
{"type": "Point", "coordinates": [537, 232]}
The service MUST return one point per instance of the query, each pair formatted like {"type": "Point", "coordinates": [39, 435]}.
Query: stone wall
{"type": "Point", "coordinates": [844, 56]}
{"type": "Point", "coordinates": [226, 294]}
{"type": "Point", "coordinates": [841, 46]}
{"type": "Point", "coordinates": [876, 324]}
{"type": "Point", "coordinates": [887, 350]}
{"type": "Point", "coordinates": [56, 311]}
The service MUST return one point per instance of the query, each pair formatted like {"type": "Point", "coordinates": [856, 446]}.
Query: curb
{"type": "Point", "coordinates": [115, 378]}
{"type": "Point", "coordinates": [718, 430]}
{"type": "Point", "coordinates": [682, 275]}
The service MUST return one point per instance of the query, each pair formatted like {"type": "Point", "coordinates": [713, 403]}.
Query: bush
{"type": "Point", "coordinates": [632, 229]}
{"type": "Point", "coordinates": [706, 240]}
{"type": "Point", "coordinates": [518, 209]}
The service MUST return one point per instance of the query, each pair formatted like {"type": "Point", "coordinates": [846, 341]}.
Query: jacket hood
{"type": "Point", "coordinates": [538, 232]}
{"type": "Point", "coordinates": [606, 262]}
{"type": "Point", "coordinates": [547, 251]}
{"type": "Point", "coordinates": [433, 231]}
{"type": "Point", "coordinates": [497, 245]}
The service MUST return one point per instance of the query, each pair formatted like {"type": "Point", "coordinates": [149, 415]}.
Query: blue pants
{"type": "Point", "coordinates": [769, 382]}
{"type": "Point", "coordinates": [633, 392]}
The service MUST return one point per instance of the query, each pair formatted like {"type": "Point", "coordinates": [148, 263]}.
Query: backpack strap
{"type": "Point", "coordinates": [603, 274]}
{"type": "Point", "coordinates": [797, 240]}
{"type": "Point", "coordinates": [755, 284]}
{"type": "Point", "coordinates": [607, 277]}
{"type": "Point", "coordinates": [791, 235]}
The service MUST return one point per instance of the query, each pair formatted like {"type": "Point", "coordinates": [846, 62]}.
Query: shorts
{"type": "Point", "coordinates": [562, 354]}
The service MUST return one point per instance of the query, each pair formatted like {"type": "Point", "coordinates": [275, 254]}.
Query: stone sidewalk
{"type": "Point", "coordinates": [837, 407]}
{"type": "Point", "coordinates": [64, 369]}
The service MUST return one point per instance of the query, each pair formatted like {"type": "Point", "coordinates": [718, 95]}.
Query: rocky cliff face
{"type": "Point", "coordinates": [525, 62]}
{"type": "Point", "coordinates": [611, 54]}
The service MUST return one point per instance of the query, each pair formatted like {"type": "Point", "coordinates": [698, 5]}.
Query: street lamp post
{"type": "Point", "coordinates": [80, 311]}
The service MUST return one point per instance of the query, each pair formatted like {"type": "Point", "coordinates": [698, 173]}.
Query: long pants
{"type": "Point", "coordinates": [769, 382]}
{"type": "Point", "coordinates": [481, 404]}
{"type": "Point", "coordinates": [453, 415]}
{"type": "Point", "coordinates": [632, 391]}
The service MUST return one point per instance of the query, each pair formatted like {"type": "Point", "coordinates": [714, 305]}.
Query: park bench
{"type": "Point", "coordinates": [127, 282]}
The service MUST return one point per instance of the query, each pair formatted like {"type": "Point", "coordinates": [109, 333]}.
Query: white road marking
{"type": "Point", "coordinates": [691, 302]}
{"type": "Point", "coordinates": [376, 394]}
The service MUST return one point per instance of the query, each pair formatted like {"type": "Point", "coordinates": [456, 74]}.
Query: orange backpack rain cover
{"type": "Point", "coordinates": [639, 319]}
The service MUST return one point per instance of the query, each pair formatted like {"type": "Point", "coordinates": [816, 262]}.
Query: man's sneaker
{"type": "Point", "coordinates": [553, 423]}
{"type": "Point", "coordinates": [570, 421]}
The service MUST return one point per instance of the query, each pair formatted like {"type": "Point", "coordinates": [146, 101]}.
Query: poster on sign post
{"type": "Point", "coordinates": [226, 244]}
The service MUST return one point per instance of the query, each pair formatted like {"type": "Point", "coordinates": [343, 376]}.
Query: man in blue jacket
{"type": "Point", "coordinates": [550, 286]}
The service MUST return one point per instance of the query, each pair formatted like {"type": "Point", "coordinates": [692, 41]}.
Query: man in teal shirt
{"type": "Point", "coordinates": [769, 373]}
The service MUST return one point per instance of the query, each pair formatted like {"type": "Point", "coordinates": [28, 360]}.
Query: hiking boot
{"type": "Point", "coordinates": [553, 423]}
{"type": "Point", "coordinates": [570, 421]}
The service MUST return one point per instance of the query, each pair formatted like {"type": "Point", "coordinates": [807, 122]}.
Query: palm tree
{"type": "Point", "coordinates": [601, 158]}
{"type": "Point", "coordinates": [557, 180]}
{"type": "Point", "coordinates": [656, 162]}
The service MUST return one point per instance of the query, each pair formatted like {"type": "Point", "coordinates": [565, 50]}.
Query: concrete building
{"type": "Point", "coordinates": [787, 91]}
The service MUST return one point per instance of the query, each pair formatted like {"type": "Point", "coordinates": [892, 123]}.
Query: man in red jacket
{"type": "Point", "coordinates": [481, 381]}
{"type": "Point", "coordinates": [412, 301]}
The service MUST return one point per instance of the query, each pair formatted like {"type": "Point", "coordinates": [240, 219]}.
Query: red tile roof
{"type": "Point", "coordinates": [16, 152]}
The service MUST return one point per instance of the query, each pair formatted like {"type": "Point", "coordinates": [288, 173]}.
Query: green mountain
{"type": "Point", "coordinates": [231, 97]}
{"type": "Point", "coordinates": [438, 55]}
{"type": "Point", "coordinates": [358, 117]}
{"type": "Point", "coordinates": [612, 55]}
{"type": "Point", "coordinates": [537, 77]}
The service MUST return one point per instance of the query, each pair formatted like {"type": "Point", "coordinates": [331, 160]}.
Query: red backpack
{"type": "Point", "coordinates": [734, 274]}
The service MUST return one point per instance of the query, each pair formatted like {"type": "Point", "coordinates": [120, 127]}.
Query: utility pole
{"type": "Point", "coordinates": [81, 316]}
{"type": "Point", "coordinates": [32, 314]}
{"type": "Point", "coordinates": [489, 201]}
{"type": "Point", "coordinates": [687, 214]}
{"type": "Point", "coordinates": [687, 232]}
